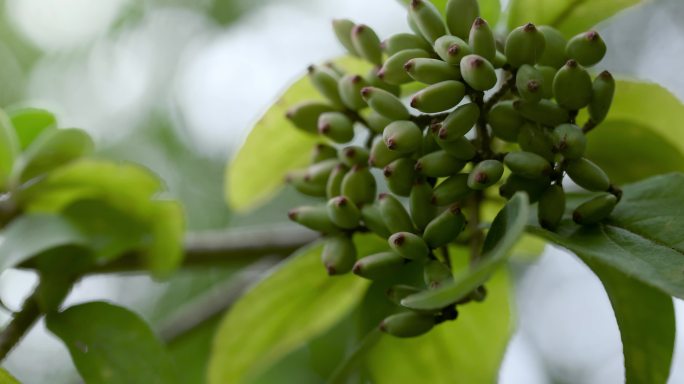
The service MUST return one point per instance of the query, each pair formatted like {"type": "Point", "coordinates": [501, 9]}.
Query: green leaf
{"type": "Point", "coordinates": [51, 150]}
{"type": "Point", "coordinates": [274, 146]}
{"type": "Point", "coordinates": [646, 319]}
{"type": "Point", "coordinates": [32, 234]}
{"type": "Point", "coordinates": [112, 345]}
{"type": "Point", "coordinates": [9, 148]}
{"type": "Point", "coordinates": [6, 378]}
{"type": "Point", "coordinates": [569, 16]}
{"type": "Point", "coordinates": [125, 188]}
{"type": "Point", "coordinates": [619, 142]}
{"type": "Point", "coordinates": [110, 231]}
{"type": "Point", "coordinates": [165, 252]}
{"type": "Point", "coordinates": [467, 350]}
{"type": "Point", "coordinates": [506, 230]}
{"type": "Point", "coordinates": [29, 123]}
{"type": "Point", "coordinates": [643, 238]}
{"type": "Point", "coordinates": [294, 304]}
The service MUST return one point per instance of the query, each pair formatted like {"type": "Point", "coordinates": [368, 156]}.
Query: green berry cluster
{"type": "Point", "coordinates": [451, 146]}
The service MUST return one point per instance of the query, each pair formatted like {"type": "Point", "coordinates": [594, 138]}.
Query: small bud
{"type": "Point", "coordinates": [445, 228]}
{"type": "Point", "coordinates": [305, 115]}
{"type": "Point", "coordinates": [554, 49]}
{"type": "Point", "coordinates": [603, 90]}
{"type": "Point", "coordinates": [505, 121]}
{"type": "Point", "coordinates": [569, 140]}
{"type": "Point", "coordinates": [395, 215]}
{"type": "Point", "coordinates": [379, 266]}
{"type": "Point", "coordinates": [403, 137]}
{"type": "Point", "coordinates": [451, 190]}
{"type": "Point", "coordinates": [485, 174]}
{"type": "Point", "coordinates": [452, 49]}
{"type": "Point", "coordinates": [428, 19]}
{"type": "Point", "coordinates": [478, 72]}
{"type": "Point", "coordinates": [460, 15]}
{"type": "Point", "coordinates": [409, 245]}
{"type": "Point", "coordinates": [527, 164]}
{"type": "Point", "coordinates": [587, 175]}
{"type": "Point", "coordinates": [367, 44]}
{"type": "Point", "coordinates": [551, 207]}
{"type": "Point", "coordinates": [339, 255]}
{"type": "Point", "coordinates": [586, 48]}
{"type": "Point", "coordinates": [400, 175]}
{"type": "Point", "coordinates": [343, 212]}
{"type": "Point", "coordinates": [524, 45]}
{"type": "Point", "coordinates": [595, 209]}
{"type": "Point", "coordinates": [439, 97]}
{"type": "Point", "coordinates": [385, 103]}
{"type": "Point", "coordinates": [422, 208]}
{"type": "Point", "coordinates": [572, 86]}
{"type": "Point", "coordinates": [336, 126]}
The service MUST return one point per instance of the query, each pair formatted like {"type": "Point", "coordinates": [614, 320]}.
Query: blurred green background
{"type": "Point", "coordinates": [175, 84]}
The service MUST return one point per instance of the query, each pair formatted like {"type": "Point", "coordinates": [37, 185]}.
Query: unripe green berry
{"type": "Point", "coordinates": [385, 103]}
{"type": "Point", "coordinates": [595, 209]}
{"type": "Point", "coordinates": [478, 72]}
{"type": "Point", "coordinates": [545, 112]}
{"type": "Point", "coordinates": [499, 60]}
{"type": "Point", "coordinates": [343, 30]}
{"type": "Point", "coordinates": [302, 182]}
{"type": "Point", "coordinates": [359, 185]}
{"type": "Point", "coordinates": [395, 215]}
{"type": "Point", "coordinates": [554, 47]}
{"type": "Point", "coordinates": [460, 15]}
{"type": "Point", "coordinates": [481, 39]}
{"type": "Point", "coordinates": [505, 121]}
{"type": "Point", "coordinates": [350, 87]}
{"type": "Point", "coordinates": [524, 45]}
{"type": "Point", "coordinates": [516, 183]}
{"type": "Point", "coordinates": [400, 175]}
{"type": "Point", "coordinates": [322, 152]}
{"type": "Point", "coordinates": [319, 172]}
{"type": "Point", "coordinates": [379, 266]}
{"type": "Point", "coordinates": [325, 81]}
{"type": "Point", "coordinates": [551, 207]}
{"type": "Point", "coordinates": [451, 190]}
{"type": "Point", "coordinates": [403, 137]}
{"type": "Point", "coordinates": [334, 185]}
{"type": "Point", "coordinates": [313, 217]}
{"type": "Point", "coordinates": [421, 206]}
{"type": "Point", "coordinates": [375, 81]}
{"type": "Point", "coordinates": [603, 90]}
{"type": "Point", "coordinates": [572, 86]}
{"type": "Point", "coordinates": [367, 43]}
{"type": "Point", "coordinates": [409, 246]}
{"type": "Point", "coordinates": [305, 115]}
{"type": "Point", "coordinates": [587, 48]}
{"type": "Point", "coordinates": [339, 255]}
{"type": "Point", "coordinates": [530, 83]}
{"type": "Point", "coordinates": [452, 49]}
{"type": "Point", "coordinates": [438, 164]}
{"type": "Point", "coordinates": [435, 273]}
{"type": "Point", "coordinates": [535, 139]}
{"type": "Point", "coordinates": [336, 126]}
{"type": "Point", "coordinates": [377, 122]}
{"type": "Point", "coordinates": [527, 164]}
{"type": "Point", "coordinates": [343, 212]}
{"type": "Point", "coordinates": [380, 155]}
{"type": "Point", "coordinates": [407, 324]}
{"type": "Point", "coordinates": [439, 97]}
{"type": "Point", "coordinates": [428, 19]}
{"type": "Point", "coordinates": [393, 71]}
{"type": "Point", "coordinates": [404, 41]}
{"type": "Point", "coordinates": [431, 71]}
{"type": "Point", "coordinates": [486, 173]}
{"type": "Point", "coordinates": [460, 149]}
{"type": "Point", "coordinates": [444, 228]}
{"type": "Point", "coordinates": [569, 140]}
{"type": "Point", "coordinates": [587, 175]}
{"type": "Point", "coordinates": [459, 122]}
{"type": "Point", "coordinates": [547, 73]}
{"type": "Point", "coordinates": [372, 219]}
{"type": "Point", "coordinates": [354, 155]}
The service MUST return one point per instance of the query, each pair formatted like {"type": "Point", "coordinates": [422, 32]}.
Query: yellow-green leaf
{"type": "Point", "coordinates": [467, 350]}
{"type": "Point", "coordinates": [274, 146]}
{"type": "Point", "coordinates": [569, 16]}
{"type": "Point", "coordinates": [294, 304]}
{"type": "Point", "coordinates": [9, 149]}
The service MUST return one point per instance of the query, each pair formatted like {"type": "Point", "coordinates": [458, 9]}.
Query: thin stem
{"type": "Point", "coordinates": [425, 120]}
{"type": "Point", "coordinates": [209, 249]}
{"type": "Point", "coordinates": [213, 303]}
{"type": "Point", "coordinates": [20, 324]}
{"type": "Point", "coordinates": [476, 234]}
{"type": "Point", "coordinates": [500, 93]}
